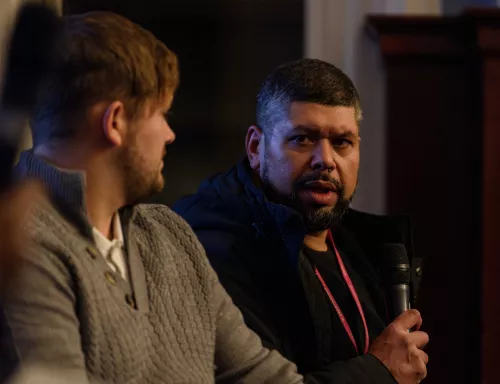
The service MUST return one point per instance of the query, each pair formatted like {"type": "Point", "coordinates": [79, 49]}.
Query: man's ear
{"type": "Point", "coordinates": [114, 123]}
{"type": "Point", "coordinates": [254, 142]}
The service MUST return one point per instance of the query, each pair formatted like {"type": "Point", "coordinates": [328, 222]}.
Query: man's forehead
{"type": "Point", "coordinates": [319, 117]}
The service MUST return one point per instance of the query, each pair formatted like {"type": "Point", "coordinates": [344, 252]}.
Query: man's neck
{"type": "Point", "coordinates": [101, 214]}
{"type": "Point", "coordinates": [316, 241]}
{"type": "Point", "coordinates": [101, 197]}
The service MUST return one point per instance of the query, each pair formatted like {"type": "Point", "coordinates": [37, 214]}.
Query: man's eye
{"type": "Point", "coordinates": [342, 143]}
{"type": "Point", "coordinates": [301, 139]}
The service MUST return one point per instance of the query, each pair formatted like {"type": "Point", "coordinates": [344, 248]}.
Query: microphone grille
{"type": "Point", "coordinates": [394, 254]}
{"type": "Point", "coordinates": [395, 264]}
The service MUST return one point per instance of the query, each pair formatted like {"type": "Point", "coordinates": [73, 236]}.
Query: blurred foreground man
{"type": "Point", "coordinates": [15, 205]}
{"type": "Point", "coordinates": [112, 291]}
{"type": "Point", "coordinates": [303, 267]}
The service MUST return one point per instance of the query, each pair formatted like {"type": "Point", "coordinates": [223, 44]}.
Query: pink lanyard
{"type": "Point", "coordinates": [354, 296]}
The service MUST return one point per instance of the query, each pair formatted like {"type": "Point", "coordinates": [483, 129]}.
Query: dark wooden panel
{"type": "Point", "coordinates": [434, 174]}
{"type": "Point", "coordinates": [491, 218]}
{"type": "Point", "coordinates": [443, 119]}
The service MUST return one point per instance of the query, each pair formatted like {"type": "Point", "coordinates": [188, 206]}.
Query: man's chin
{"type": "Point", "coordinates": [154, 188]}
{"type": "Point", "coordinates": [317, 220]}
{"type": "Point", "coordinates": [318, 211]}
{"type": "Point", "coordinates": [323, 218]}
{"type": "Point", "coordinates": [158, 187]}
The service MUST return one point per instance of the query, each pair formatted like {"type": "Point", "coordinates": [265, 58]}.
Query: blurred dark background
{"type": "Point", "coordinates": [225, 49]}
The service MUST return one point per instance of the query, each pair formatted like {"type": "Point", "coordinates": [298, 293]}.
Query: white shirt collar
{"type": "Point", "coordinates": [103, 243]}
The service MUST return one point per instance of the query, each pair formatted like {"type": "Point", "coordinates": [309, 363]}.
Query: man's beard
{"type": "Point", "coordinates": [316, 220]}
{"type": "Point", "coordinates": [323, 217]}
{"type": "Point", "coordinates": [140, 183]}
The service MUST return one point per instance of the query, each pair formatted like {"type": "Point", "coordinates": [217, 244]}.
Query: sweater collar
{"type": "Point", "coordinates": [66, 188]}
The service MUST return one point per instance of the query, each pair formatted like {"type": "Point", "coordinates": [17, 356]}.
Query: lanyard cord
{"type": "Point", "coordinates": [350, 285]}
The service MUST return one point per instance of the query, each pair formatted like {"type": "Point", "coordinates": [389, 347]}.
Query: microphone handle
{"type": "Point", "coordinates": [398, 300]}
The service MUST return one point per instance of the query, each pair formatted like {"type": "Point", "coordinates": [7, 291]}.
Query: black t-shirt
{"type": "Point", "coordinates": [327, 265]}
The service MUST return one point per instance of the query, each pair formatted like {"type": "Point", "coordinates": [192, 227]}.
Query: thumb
{"type": "Point", "coordinates": [410, 319]}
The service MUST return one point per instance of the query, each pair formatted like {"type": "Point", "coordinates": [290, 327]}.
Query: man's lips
{"type": "Point", "coordinates": [319, 192]}
{"type": "Point", "coordinates": [320, 185]}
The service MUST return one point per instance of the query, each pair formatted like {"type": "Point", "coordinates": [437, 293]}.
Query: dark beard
{"type": "Point", "coordinates": [321, 218]}
{"type": "Point", "coordinates": [138, 183]}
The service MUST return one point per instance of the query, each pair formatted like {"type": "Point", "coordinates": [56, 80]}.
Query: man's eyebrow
{"type": "Point", "coordinates": [347, 134]}
{"type": "Point", "coordinates": [313, 129]}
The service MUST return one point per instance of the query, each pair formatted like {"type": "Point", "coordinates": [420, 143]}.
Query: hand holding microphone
{"type": "Point", "coordinates": [401, 351]}
{"type": "Point", "coordinates": [397, 348]}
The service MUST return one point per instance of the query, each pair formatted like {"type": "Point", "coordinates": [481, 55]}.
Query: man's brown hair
{"type": "Point", "coordinates": [102, 57]}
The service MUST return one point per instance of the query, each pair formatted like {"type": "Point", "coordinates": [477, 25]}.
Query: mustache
{"type": "Point", "coordinates": [300, 183]}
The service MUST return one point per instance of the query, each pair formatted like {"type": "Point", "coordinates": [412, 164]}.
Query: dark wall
{"type": "Point", "coordinates": [442, 77]}
{"type": "Point", "coordinates": [226, 48]}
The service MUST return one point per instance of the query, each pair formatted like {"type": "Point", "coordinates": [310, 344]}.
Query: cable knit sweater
{"type": "Point", "coordinates": [173, 323]}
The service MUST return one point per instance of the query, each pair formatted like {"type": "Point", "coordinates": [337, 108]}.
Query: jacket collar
{"type": "Point", "coordinates": [272, 218]}
{"type": "Point", "coordinates": [368, 230]}
{"type": "Point", "coordinates": [358, 235]}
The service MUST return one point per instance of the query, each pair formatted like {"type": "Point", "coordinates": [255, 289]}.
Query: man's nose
{"type": "Point", "coordinates": [170, 135]}
{"type": "Point", "coordinates": [323, 156]}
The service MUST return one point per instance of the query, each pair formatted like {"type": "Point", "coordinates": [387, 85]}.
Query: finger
{"type": "Point", "coordinates": [420, 369]}
{"type": "Point", "coordinates": [421, 355]}
{"type": "Point", "coordinates": [409, 319]}
{"type": "Point", "coordinates": [419, 338]}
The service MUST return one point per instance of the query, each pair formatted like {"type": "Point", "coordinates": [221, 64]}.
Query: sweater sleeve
{"type": "Point", "coordinates": [41, 314]}
{"type": "Point", "coordinates": [240, 356]}
{"type": "Point", "coordinates": [44, 375]}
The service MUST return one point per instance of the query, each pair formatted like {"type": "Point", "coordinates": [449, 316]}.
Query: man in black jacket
{"type": "Point", "coordinates": [301, 265]}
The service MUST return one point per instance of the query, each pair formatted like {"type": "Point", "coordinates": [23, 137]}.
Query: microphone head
{"type": "Point", "coordinates": [395, 265]}
{"type": "Point", "coordinates": [30, 55]}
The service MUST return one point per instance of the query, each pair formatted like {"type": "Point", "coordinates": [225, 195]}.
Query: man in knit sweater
{"type": "Point", "coordinates": [111, 291]}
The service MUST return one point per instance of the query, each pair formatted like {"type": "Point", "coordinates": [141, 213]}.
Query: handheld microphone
{"type": "Point", "coordinates": [396, 279]}
{"type": "Point", "coordinates": [29, 61]}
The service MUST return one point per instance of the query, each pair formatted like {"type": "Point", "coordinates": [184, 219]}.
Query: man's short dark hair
{"type": "Point", "coordinates": [304, 80]}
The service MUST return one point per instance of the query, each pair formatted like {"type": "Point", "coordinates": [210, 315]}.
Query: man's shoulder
{"type": "Point", "coordinates": [159, 223]}
{"type": "Point", "coordinates": [162, 217]}
{"type": "Point", "coordinates": [209, 203]}
{"type": "Point", "coordinates": [374, 217]}
{"type": "Point", "coordinates": [205, 210]}
{"type": "Point", "coordinates": [159, 214]}
{"type": "Point", "coordinates": [221, 199]}
{"type": "Point", "coordinates": [53, 244]}
{"type": "Point", "coordinates": [364, 223]}
{"type": "Point", "coordinates": [372, 231]}
{"type": "Point", "coordinates": [45, 222]}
